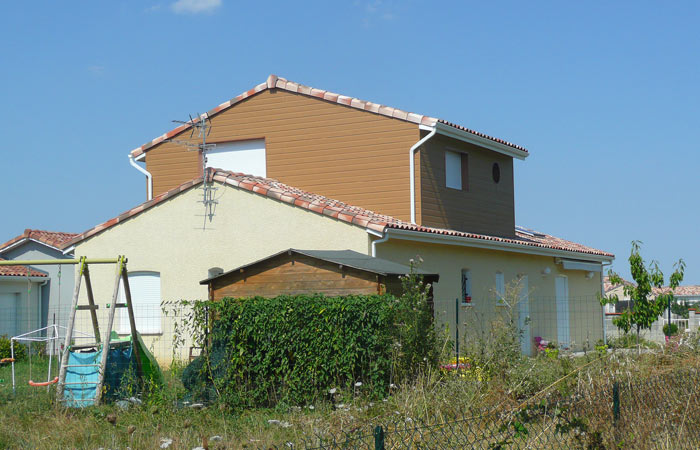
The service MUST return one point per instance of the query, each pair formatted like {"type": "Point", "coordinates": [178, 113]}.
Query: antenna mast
{"type": "Point", "coordinates": [201, 124]}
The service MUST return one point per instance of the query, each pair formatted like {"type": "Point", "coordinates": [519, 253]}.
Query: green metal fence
{"type": "Point", "coordinates": [661, 411]}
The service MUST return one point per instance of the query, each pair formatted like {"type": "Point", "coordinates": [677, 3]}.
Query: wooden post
{"type": "Point", "coordinates": [135, 346]}
{"type": "Point", "coordinates": [69, 331]}
{"type": "Point", "coordinates": [108, 332]}
{"type": "Point", "coordinates": [91, 301]}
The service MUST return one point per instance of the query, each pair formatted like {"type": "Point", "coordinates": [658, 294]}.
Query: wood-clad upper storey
{"type": "Point", "coordinates": [482, 205]}
{"type": "Point", "coordinates": [322, 147]}
{"type": "Point", "coordinates": [353, 155]}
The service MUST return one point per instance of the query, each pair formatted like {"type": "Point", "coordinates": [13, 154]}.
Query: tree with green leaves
{"type": "Point", "coordinates": [645, 308]}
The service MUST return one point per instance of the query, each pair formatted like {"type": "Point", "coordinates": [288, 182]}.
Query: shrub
{"type": "Point", "coordinates": [6, 351]}
{"type": "Point", "coordinates": [670, 329]}
{"type": "Point", "coordinates": [293, 349]}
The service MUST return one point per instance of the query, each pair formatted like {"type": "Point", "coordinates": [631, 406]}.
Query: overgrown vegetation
{"type": "Point", "coordinates": [6, 350]}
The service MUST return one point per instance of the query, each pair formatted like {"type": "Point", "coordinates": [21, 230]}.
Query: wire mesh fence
{"type": "Point", "coordinates": [656, 412]}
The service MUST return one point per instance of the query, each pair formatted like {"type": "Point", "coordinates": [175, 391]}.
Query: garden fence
{"type": "Point", "coordinates": [662, 411]}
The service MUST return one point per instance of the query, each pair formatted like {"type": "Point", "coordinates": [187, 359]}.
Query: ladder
{"type": "Point", "coordinates": [102, 342]}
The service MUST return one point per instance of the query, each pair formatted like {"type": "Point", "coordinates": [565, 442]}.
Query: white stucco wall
{"type": "Point", "coordinates": [170, 238]}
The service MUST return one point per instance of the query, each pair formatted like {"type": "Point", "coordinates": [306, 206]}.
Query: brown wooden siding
{"type": "Point", "coordinates": [325, 148]}
{"type": "Point", "coordinates": [296, 274]}
{"type": "Point", "coordinates": [481, 207]}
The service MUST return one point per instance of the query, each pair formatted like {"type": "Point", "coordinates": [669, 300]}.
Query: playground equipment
{"type": "Point", "coordinates": [88, 371]}
{"type": "Point", "coordinates": [51, 338]}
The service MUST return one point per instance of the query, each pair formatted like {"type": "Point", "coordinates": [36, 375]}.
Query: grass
{"type": "Point", "coordinates": [32, 419]}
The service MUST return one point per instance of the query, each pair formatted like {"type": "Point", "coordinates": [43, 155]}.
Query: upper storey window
{"type": "Point", "coordinates": [239, 156]}
{"type": "Point", "coordinates": [456, 170]}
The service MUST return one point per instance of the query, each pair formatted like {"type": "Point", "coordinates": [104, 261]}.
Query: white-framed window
{"type": "Point", "coordinates": [246, 156]}
{"type": "Point", "coordinates": [500, 288]}
{"type": "Point", "coordinates": [453, 170]}
{"type": "Point", "coordinates": [145, 297]}
{"type": "Point", "coordinates": [466, 287]}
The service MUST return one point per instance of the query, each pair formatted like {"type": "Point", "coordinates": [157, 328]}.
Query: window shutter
{"type": "Point", "coordinates": [145, 297]}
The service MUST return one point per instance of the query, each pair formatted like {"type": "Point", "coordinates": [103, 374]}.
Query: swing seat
{"type": "Point", "coordinates": [7, 360]}
{"type": "Point", "coordinates": [45, 383]}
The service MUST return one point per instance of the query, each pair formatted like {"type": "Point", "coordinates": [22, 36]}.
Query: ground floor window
{"type": "Point", "coordinates": [145, 295]}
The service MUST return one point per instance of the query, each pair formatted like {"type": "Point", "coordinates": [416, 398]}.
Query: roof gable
{"type": "Point", "coordinates": [347, 258]}
{"type": "Point", "coordinates": [275, 82]}
{"type": "Point", "coordinates": [53, 239]}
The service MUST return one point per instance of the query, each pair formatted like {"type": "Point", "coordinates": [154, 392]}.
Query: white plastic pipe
{"type": "Point", "coordinates": [379, 241]}
{"type": "Point", "coordinates": [412, 165]}
{"type": "Point", "coordinates": [149, 178]}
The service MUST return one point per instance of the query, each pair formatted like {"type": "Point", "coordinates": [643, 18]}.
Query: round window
{"type": "Point", "coordinates": [496, 172]}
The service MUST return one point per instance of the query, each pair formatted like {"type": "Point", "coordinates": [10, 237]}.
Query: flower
{"type": "Point", "coordinates": [358, 384]}
{"type": "Point", "coordinates": [333, 391]}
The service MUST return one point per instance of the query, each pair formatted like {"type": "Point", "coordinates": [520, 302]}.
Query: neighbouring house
{"type": "Point", "coordinates": [689, 294]}
{"type": "Point", "coordinates": [328, 272]}
{"type": "Point", "coordinates": [21, 290]}
{"type": "Point", "coordinates": [56, 290]}
{"type": "Point", "coordinates": [298, 167]}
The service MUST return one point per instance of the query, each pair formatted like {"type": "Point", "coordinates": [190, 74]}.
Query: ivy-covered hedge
{"type": "Point", "coordinates": [293, 349]}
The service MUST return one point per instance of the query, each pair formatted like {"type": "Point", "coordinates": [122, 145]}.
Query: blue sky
{"type": "Point", "coordinates": [605, 95]}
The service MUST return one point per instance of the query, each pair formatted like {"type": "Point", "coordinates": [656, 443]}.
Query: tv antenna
{"type": "Point", "coordinates": [201, 124]}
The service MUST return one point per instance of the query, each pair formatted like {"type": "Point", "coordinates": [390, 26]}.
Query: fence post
{"type": "Point", "coordinates": [378, 438]}
{"type": "Point", "coordinates": [457, 332]}
{"type": "Point", "coordinates": [616, 402]}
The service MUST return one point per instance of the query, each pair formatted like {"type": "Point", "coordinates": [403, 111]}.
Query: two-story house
{"type": "Point", "coordinates": [298, 167]}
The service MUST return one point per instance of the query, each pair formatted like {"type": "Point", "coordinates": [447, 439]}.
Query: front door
{"type": "Point", "coordinates": [524, 317]}
{"type": "Point", "coordinates": [563, 330]}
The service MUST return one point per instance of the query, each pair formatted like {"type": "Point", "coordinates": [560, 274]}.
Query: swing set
{"type": "Point", "coordinates": [83, 368]}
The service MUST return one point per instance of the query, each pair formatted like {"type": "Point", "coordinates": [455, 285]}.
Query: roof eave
{"type": "Point", "coordinates": [456, 133]}
{"type": "Point", "coordinates": [421, 236]}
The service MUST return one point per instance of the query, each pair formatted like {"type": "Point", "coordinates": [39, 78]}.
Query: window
{"type": "Point", "coordinates": [241, 156]}
{"type": "Point", "coordinates": [500, 288]}
{"type": "Point", "coordinates": [145, 297]}
{"type": "Point", "coordinates": [466, 287]}
{"type": "Point", "coordinates": [456, 170]}
{"type": "Point", "coordinates": [496, 173]}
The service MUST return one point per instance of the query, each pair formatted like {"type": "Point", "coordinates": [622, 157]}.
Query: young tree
{"type": "Point", "coordinates": [644, 309]}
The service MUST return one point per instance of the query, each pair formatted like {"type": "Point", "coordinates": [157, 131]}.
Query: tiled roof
{"type": "Point", "coordinates": [339, 210]}
{"type": "Point", "coordinates": [680, 291]}
{"type": "Point", "coordinates": [275, 82]}
{"type": "Point", "coordinates": [608, 286]}
{"type": "Point", "coordinates": [19, 271]}
{"type": "Point", "coordinates": [54, 239]}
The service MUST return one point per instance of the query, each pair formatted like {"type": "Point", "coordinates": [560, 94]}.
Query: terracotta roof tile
{"type": "Point", "coordinates": [54, 239]}
{"type": "Point", "coordinates": [19, 271]}
{"type": "Point", "coordinates": [275, 82]}
{"type": "Point", "coordinates": [320, 204]}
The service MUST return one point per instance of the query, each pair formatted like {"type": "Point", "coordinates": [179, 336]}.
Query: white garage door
{"type": "Point", "coordinates": [8, 314]}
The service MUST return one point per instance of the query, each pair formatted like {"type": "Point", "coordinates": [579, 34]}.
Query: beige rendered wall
{"type": "Point", "coordinates": [585, 311]}
{"type": "Point", "coordinates": [169, 238]}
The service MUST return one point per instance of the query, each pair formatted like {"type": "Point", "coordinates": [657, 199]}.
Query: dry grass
{"type": "Point", "coordinates": [659, 406]}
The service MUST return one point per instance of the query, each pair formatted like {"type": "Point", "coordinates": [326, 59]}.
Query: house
{"type": "Point", "coordinates": [328, 272]}
{"type": "Point", "coordinates": [689, 294]}
{"type": "Point", "coordinates": [57, 284]}
{"type": "Point", "coordinates": [297, 167]}
{"type": "Point", "coordinates": [21, 291]}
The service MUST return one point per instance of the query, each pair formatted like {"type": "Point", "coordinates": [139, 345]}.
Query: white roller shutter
{"type": "Point", "coordinates": [241, 156]}
{"type": "Point", "coordinates": [145, 295]}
